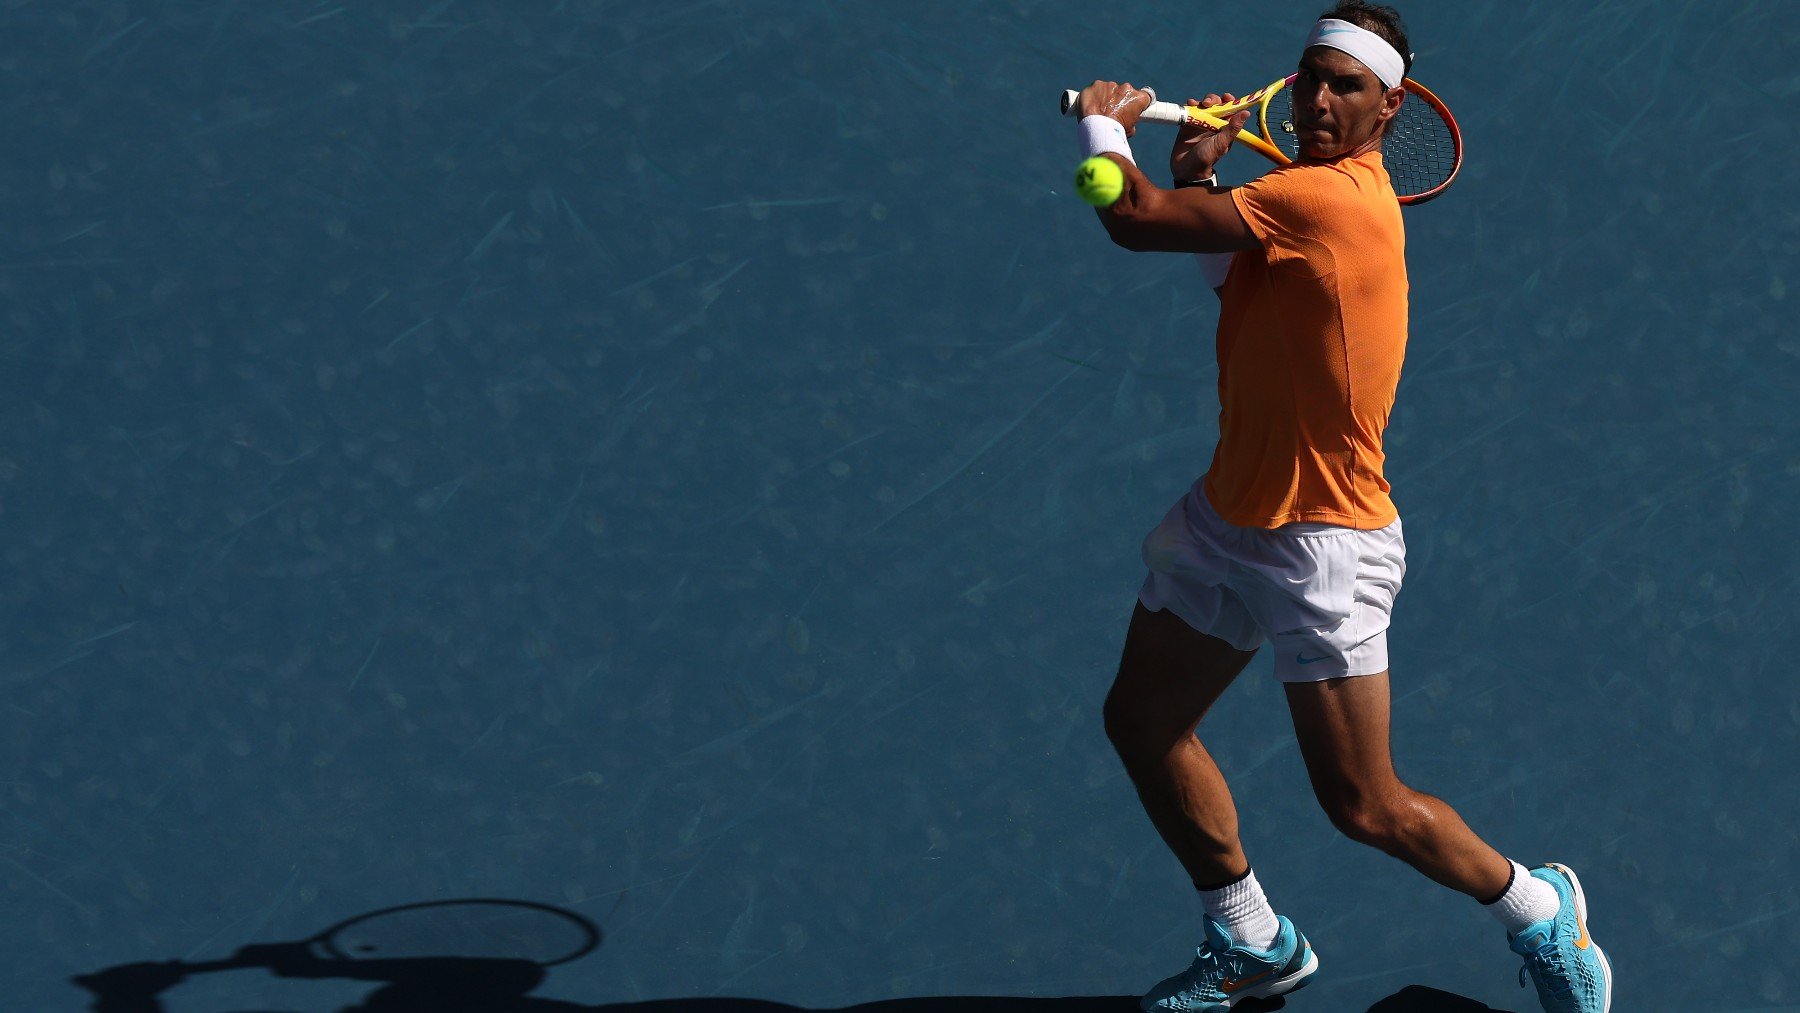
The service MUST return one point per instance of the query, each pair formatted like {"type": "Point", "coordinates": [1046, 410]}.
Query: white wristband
{"type": "Point", "coordinates": [1214, 267]}
{"type": "Point", "coordinates": [1103, 134]}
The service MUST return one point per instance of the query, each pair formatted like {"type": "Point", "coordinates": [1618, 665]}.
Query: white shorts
{"type": "Point", "coordinates": [1320, 593]}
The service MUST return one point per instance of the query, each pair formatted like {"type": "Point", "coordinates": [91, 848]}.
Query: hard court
{"type": "Point", "coordinates": [631, 506]}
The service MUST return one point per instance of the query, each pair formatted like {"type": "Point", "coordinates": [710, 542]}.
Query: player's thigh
{"type": "Point", "coordinates": [1169, 675]}
{"type": "Point", "coordinates": [1342, 728]}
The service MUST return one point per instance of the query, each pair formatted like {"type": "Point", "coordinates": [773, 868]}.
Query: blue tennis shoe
{"type": "Point", "coordinates": [1225, 973]}
{"type": "Point", "coordinates": [1570, 972]}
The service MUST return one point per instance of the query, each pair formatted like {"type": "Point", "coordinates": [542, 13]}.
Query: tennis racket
{"type": "Point", "coordinates": [1422, 151]}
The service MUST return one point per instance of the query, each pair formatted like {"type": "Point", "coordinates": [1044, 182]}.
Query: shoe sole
{"type": "Point", "coordinates": [1581, 913]}
{"type": "Point", "coordinates": [1269, 989]}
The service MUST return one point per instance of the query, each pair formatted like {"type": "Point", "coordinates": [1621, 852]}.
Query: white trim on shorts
{"type": "Point", "coordinates": [1321, 593]}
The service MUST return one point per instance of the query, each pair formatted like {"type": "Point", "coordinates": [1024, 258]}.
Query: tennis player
{"type": "Point", "coordinates": [1290, 538]}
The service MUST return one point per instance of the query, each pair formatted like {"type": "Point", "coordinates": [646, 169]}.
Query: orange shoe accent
{"type": "Point", "coordinates": [1230, 985]}
{"type": "Point", "coordinates": [1582, 941]}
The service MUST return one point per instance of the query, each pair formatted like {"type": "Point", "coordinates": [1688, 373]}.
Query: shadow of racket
{"type": "Point", "coordinates": [479, 953]}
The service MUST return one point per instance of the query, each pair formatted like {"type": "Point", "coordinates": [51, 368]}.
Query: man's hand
{"type": "Point", "coordinates": [1199, 147]}
{"type": "Point", "coordinates": [1120, 101]}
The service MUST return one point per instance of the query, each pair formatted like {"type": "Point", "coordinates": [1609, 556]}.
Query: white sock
{"type": "Point", "coordinates": [1527, 901]}
{"type": "Point", "coordinates": [1244, 911]}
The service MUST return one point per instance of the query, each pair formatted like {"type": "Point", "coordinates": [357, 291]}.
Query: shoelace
{"type": "Point", "coordinates": [1551, 976]}
{"type": "Point", "coordinates": [1216, 969]}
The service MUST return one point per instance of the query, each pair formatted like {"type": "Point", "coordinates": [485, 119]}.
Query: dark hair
{"type": "Point", "coordinates": [1378, 18]}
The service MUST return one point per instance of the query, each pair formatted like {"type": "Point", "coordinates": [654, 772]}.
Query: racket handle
{"type": "Point", "coordinates": [1158, 112]}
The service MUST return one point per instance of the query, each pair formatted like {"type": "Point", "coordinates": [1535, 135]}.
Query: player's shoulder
{"type": "Point", "coordinates": [1347, 175]}
{"type": "Point", "coordinates": [1346, 189]}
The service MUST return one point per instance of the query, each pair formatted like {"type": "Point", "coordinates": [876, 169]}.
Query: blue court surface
{"type": "Point", "coordinates": [669, 477]}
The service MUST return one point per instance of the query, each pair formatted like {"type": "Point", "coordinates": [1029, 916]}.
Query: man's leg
{"type": "Point", "coordinates": [1168, 678]}
{"type": "Point", "coordinates": [1342, 729]}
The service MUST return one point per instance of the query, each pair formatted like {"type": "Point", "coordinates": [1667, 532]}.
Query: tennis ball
{"type": "Point", "coordinates": [1099, 181]}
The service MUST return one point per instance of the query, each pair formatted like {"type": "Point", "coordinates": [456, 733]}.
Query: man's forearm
{"type": "Point", "coordinates": [1148, 219]}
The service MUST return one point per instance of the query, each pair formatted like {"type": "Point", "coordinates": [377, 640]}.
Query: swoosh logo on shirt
{"type": "Point", "coordinates": [1304, 660]}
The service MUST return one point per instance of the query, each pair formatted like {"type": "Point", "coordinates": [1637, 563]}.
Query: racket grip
{"type": "Point", "coordinates": [1158, 112]}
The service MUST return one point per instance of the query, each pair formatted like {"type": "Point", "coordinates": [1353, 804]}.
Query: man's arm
{"type": "Point", "coordinates": [1149, 219]}
{"type": "Point", "coordinates": [1146, 218]}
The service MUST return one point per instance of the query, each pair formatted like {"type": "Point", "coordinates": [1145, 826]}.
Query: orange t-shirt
{"type": "Point", "coordinates": [1312, 331]}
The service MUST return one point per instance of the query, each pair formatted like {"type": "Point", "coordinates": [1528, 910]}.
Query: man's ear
{"type": "Point", "coordinates": [1390, 104]}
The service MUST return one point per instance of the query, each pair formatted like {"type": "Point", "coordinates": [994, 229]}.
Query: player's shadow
{"type": "Point", "coordinates": [504, 951]}
{"type": "Point", "coordinates": [477, 955]}
{"type": "Point", "coordinates": [1420, 999]}
{"type": "Point", "coordinates": [474, 955]}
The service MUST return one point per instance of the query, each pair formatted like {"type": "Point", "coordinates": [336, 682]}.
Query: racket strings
{"type": "Point", "coordinates": [1419, 150]}
{"type": "Point", "coordinates": [1281, 124]}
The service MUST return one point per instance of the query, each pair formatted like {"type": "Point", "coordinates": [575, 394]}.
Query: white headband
{"type": "Point", "coordinates": [1373, 50]}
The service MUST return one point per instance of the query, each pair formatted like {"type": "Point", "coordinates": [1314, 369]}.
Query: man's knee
{"type": "Point", "coordinates": [1169, 677]}
{"type": "Point", "coordinates": [1127, 723]}
{"type": "Point", "coordinates": [1384, 820]}
{"type": "Point", "coordinates": [1358, 820]}
{"type": "Point", "coordinates": [1140, 727]}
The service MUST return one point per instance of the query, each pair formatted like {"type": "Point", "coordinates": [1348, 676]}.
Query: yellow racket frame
{"type": "Point", "coordinates": [1215, 117]}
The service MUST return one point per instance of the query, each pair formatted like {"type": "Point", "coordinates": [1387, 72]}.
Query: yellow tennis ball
{"type": "Point", "coordinates": [1099, 181]}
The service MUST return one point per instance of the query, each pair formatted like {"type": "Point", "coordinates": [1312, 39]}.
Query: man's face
{"type": "Point", "coordinates": [1340, 106]}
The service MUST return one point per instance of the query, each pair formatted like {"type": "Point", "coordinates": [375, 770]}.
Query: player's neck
{"type": "Point", "coordinates": [1357, 152]}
